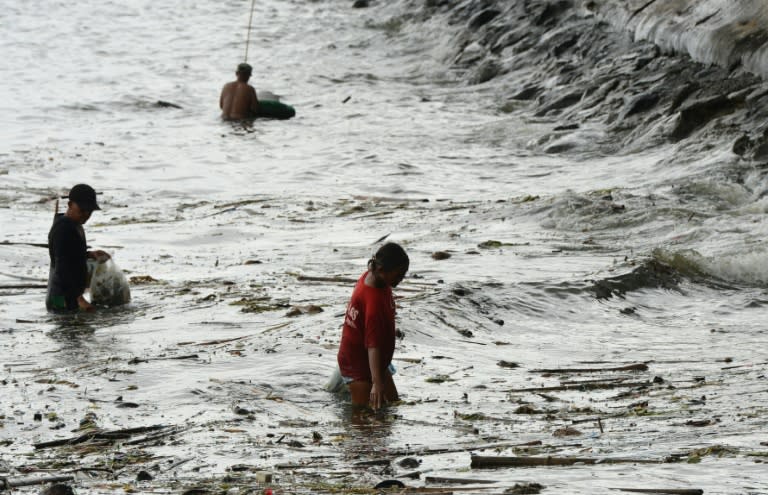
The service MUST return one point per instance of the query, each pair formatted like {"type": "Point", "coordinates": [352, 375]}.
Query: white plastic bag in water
{"type": "Point", "coordinates": [109, 287]}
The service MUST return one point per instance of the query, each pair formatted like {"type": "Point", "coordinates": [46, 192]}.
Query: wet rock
{"type": "Point", "coordinates": [309, 309]}
{"type": "Point", "coordinates": [525, 489]}
{"type": "Point", "coordinates": [700, 113]}
{"type": "Point", "coordinates": [440, 255]}
{"type": "Point", "coordinates": [560, 103]}
{"type": "Point", "coordinates": [144, 476]}
{"type": "Point", "coordinates": [37, 416]}
{"type": "Point", "coordinates": [127, 405]}
{"type": "Point", "coordinates": [389, 484]}
{"type": "Point", "coordinates": [241, 411]}
{"type": "Point", "coordinates": [507, 364]}
{"type": "Point", "coordinates": [409, 463]}
{"type": "Point", "coordinates": [528, 93]}
{"type": "Point", "coordinates": [471, 54]}
{"type": "Point", "coordinates": [566, 432]}
{"type": "Point", "coordinates": [482, 18]}
{"type": "Point", "coordinates": [564, 46]}
{"type": "Point", "coordinates": [528, 409]}
{"type": "Point", "coordinates": [58, 489]}
{"type": "Point", "coordinates": [461, 291]}
{"type": "Point", "coordinates": [642, 103]}
{"type": "Point", "coordinates": [682, 94]}
{"type": "Point", "coordinates": [436, 3]}
{"type": "Point", "coordinates": [560, 146]}
{"type": "Point", "coordinates": [166, 104]}
{"type": "Point", "coordinates": [486, 71]}
{"type": "Point", "coordinates": [566, 127]}
{"type": "Point", "coordinates": [551, 11]}
{"type": "Point", "coordinates": [651, 274]}
{"type": "Point", "coordinates": [741, 145]}
{"type": "Point", "coordinates": [490, 244]}
{"type": "Point", "coordinates": [698, 423]}
{"type": "Point", "coordinates": [360, 4]}
{"type": "Point", "coordinates": [508, 39]}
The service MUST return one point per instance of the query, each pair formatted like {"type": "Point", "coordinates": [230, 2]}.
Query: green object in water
{"type": "Point", "coordinates": [273, 109]}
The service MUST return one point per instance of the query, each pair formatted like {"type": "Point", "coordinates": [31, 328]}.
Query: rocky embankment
{"type": "Point", "coordinates": [644, 72]}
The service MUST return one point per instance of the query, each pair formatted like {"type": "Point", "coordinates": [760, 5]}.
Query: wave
{"type": "Point", "coordinates": [749, 268]}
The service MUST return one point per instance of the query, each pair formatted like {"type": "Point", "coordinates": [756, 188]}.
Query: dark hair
{"type": "Point", "coordinates": [390, 256]}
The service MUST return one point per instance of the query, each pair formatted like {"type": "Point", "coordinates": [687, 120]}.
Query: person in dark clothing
{"type": "Point", "coordinates": [67, 279]}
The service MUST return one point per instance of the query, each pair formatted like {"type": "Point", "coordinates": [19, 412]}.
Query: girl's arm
{"type": "Point", "coordinates": [377, 388]}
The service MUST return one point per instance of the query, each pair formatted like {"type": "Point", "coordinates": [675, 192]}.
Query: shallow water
{"type": "Point", "coordinates": [225, 217]}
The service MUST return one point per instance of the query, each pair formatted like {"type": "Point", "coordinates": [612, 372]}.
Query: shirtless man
{"type": "Point", "coordinates": [238, 98]}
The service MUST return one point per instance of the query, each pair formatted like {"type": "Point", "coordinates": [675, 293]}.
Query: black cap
{"type": "Point", "coordinates": [84, 196]}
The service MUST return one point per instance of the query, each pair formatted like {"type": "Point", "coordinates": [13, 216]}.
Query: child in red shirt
{"type": "Point", "coordinates": [368, 337]}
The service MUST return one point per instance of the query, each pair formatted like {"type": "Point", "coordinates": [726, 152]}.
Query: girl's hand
{"type": "Point", "coordinates": [85, 305]}
{"type": "Point", "coordinates": [377, 396]}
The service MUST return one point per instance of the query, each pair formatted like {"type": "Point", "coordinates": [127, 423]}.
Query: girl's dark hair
{"type": "Point", "coordinates": [390, 256]}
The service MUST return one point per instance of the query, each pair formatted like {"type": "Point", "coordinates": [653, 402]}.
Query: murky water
{"type": "Point", "coordinates": [225, 218]}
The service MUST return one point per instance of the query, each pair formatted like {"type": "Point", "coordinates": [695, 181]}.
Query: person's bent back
{"type": "Point", "coordinates": [238, 98]}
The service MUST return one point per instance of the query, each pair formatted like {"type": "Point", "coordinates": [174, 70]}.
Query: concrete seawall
{"type": "Point", "coordinates": [727, 33]}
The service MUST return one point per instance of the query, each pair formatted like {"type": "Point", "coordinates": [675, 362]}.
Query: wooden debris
{"type": "Point", "coordinates": [342, 280]}
{"type": "Point", "coordinates": [454, 450]}
{"type": "Point", "coordinates": [668, 491]}
{"type": "Point", "coordinates": [629, 367]}
{"type": "Point", "coordinates": [8, 483]}
{"type": "Point", "coordinates": [100, 435]}
{"type": "Point", "coordinates": [480, 462]}
{"type": "Point", "coordinates": [456, 481]}
{"type": "Point", "coordinates": [33, 244]}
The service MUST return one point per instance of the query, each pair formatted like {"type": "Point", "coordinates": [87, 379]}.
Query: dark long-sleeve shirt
{"type": "Point", "coordinates": [68, 275]}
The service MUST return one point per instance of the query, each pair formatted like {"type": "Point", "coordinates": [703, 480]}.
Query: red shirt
{"type": "Point", "coordinates": [369, 322]}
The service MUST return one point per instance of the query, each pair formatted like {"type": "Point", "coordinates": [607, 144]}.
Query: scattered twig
{"type": "Point", "coordinates": [154, 436]}
{"type": "Point", "coordinates": [216, 342]}
{"type": "Point", "coordinates": [586, 386]}
{"type": "Point", "coordinates": [497, 461]}
{"type": "Point", "coordinates": [669, 491]}
{"type": "Point", "coordinates": [24, 286]}
{"type": "Point", "coordinates": [103, 435]}
{"type": "Point", "coordinates": [743, 366]}
{"type": "Point", "coordinates": [179, 463]}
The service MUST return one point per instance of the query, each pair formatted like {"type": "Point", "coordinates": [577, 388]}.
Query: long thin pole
{"type": "Point", "coordinates": [248, 37]}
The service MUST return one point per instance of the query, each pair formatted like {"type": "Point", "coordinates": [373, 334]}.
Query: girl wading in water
{"type": "Point", "coordinates": [368, 337]}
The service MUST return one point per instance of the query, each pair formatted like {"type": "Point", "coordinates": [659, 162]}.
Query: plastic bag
{"type": "Point", "coordinates": [109, 286]}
